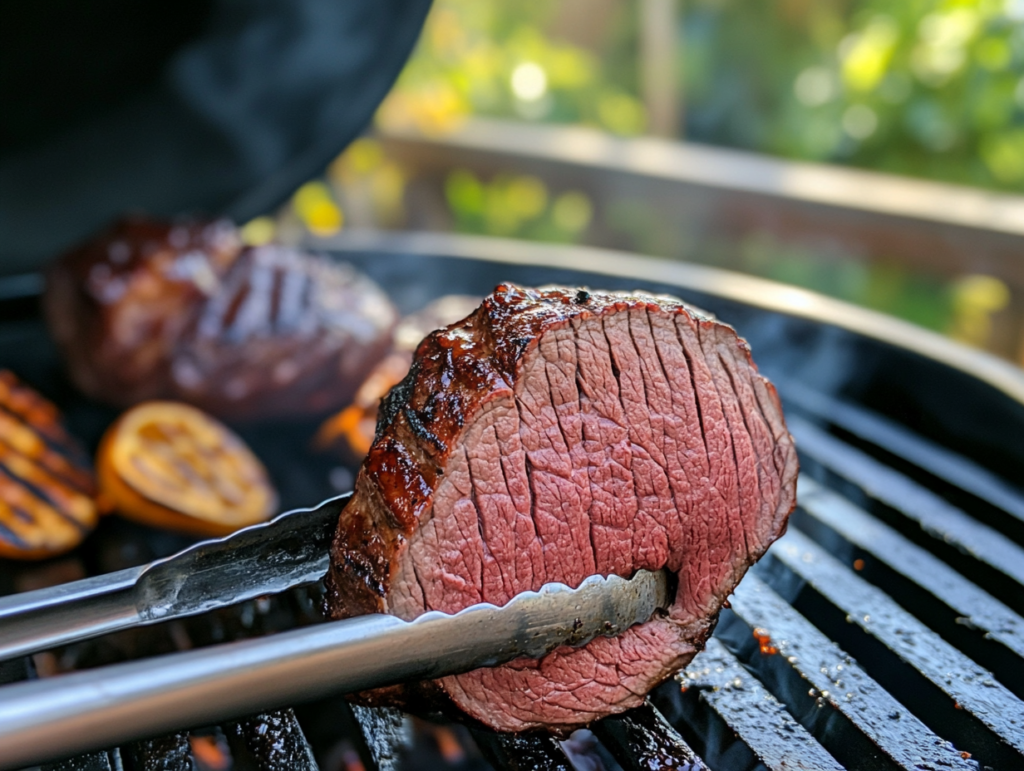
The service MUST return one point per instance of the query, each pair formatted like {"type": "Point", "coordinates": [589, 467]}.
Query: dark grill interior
{"type": "Point", "coordinates": [884, 631]}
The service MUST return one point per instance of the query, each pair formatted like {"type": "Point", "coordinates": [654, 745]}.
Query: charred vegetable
{"type": "Point", "coordinates": [170, 465]}
{"type": "Point", "coordinates": [47, 493]}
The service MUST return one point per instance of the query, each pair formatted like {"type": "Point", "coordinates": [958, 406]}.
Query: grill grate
{"type": "Point", "coordinates": [645, 740]}
{"type": "Point", "coordinates": [269, 741]}
{"type": "Point", "coordinates": [856, 643]}
{"type": "Point", "coordinates": [747, 709]}
{"type": "Point", "coordinates": [169, 753]}
{"type": "Point", "coordinates": [885, 631]}
{"type": "Point", "coordinates": [856, 720]}
{"type": "Point", "coordinates": [925, 517]}
{"type": "Point", "coordinates": [981, 711]}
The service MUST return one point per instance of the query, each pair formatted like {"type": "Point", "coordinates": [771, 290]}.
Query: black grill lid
{"type": "Point", "coordinates": [225, 107]}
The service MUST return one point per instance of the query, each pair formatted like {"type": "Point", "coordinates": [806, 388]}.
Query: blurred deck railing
{"type": "Point", "coordinates": [704, 198]}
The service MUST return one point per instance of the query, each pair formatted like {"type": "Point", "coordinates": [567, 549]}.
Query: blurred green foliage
{"type": "Point", "coordinates": [490, 58]}
{"type": "Point", "coordinates": [929, 88]}
{"type": "Point", "coordinates": [883, 285]}
{"type": "Point", "coordinates": [514, 205]}
{"type": "Point", "coordinates": [926, 88]}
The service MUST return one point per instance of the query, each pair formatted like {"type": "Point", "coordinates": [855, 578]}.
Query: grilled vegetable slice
{"type": "Point", "coordinates": [170, 465]}
{"type": "Point", "coordinates": [353, 428]}
{"type": "Point", "coordinates": [47, 491]}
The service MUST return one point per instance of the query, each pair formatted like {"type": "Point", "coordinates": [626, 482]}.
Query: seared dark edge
{"type": "Point", "coordinates": [551, 435]}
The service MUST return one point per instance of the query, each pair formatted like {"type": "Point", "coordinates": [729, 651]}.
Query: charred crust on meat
{"type": "Point", "coordinates": [483, 362]}
{"type": "Point", "coordinates": [420, 429]}
{"type": "Point", "coordinates": [365, 570]}
{"type": "Point", "coordinates": [396, 399]}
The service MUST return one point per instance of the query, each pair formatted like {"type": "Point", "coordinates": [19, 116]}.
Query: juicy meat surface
{"type": "Point", "coordinates": [181, 310]}
{"type": "Point", "coordinates": [118, 303]}
{"type": "Point", "coordinates": [286, 333]}
{"type": "Point", "coordinates": [551, 435]}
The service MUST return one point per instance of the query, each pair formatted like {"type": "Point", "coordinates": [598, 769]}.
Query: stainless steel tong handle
{"type": "Point", "coordinates": [45, 720]}
{"type": "Point", "coordinates": [288, 551]}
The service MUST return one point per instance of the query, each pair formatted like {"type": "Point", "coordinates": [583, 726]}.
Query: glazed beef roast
{"type": "Point", "coordinates": [551, 435]}
{"type": "Point", "coordinates": [287, 333]}
{"type": "Point", "coordinates": [117, 304]}
{"type": "Point", "coordinates": [182, 310]}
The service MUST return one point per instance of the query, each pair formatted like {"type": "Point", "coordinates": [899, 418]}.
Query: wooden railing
{"type": "Point", "coordinates": [704, 201]}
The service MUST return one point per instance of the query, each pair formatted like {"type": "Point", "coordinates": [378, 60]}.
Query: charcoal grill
{"type": "Point", "coordinates": [884, 631]}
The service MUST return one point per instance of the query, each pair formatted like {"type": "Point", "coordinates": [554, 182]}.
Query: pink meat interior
{"type": "Point", "coordinates": [641, 437]}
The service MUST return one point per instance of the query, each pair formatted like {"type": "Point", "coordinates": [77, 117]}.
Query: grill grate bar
{"type": "Point", "coordinates": [788, 654]}
{"type": "Point", "coordinates": [93, 761]}
{"type": "Point", "coordinates": [975, 613]}
{"type": "Point", "coordinates": [522, 752]}
{"type": "Point", "coordinates": [385, 733]}
{"type": "Point", "coordinates": [943, 521]}
{"type": "Point", "coordinates": [270, 741]}
{"type": "Point", "coordinates": [973, 690]}
{"type": "Point", "coordinates": [890, 436]}
{"type": "Point", "coordinates": [642, 739]}
{"type": "Point", "coordinates": [16, 670]}
{"type": "Point", "coordinates": [751, 713]}
{"type": "Point", "coordinates": [166, 753]}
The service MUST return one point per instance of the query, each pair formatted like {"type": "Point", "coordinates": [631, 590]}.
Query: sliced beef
{"type": "Point", "coordinates": [554, 434]}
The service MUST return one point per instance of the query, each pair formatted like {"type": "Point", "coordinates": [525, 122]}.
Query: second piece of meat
{"type": "Point", "coordinates": [287, 333]}
{"type": "Point", "coordinates": [180, 310]}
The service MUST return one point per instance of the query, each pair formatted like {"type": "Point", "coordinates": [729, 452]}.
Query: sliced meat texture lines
{"type": "Point", "coordinates": [556, 434]}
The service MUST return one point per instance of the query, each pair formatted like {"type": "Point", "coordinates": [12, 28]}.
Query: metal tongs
{"type": "Point", "coordinates": [52, 718]}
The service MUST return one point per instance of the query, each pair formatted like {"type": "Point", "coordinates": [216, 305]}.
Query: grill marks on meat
{"type": "Point", "coordinates": [286, 333]}
{"type": "Point", "coordinates": [46, 483]}
{"type": "Point", "coordinates": [573, 437]}
{"type": "Point", "coordinates": [117, 304]}
{"type": "Point", "coordinates": [159, 310]}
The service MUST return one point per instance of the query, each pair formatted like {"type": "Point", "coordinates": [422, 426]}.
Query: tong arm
{"type": "Point", "coordinates": [46, 719]}
{"type": "Point", "coordinates": [290, 550]}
